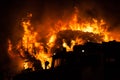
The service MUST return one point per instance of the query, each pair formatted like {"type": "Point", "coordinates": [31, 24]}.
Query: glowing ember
{"type": "Point", "coordinates": [65, 34]}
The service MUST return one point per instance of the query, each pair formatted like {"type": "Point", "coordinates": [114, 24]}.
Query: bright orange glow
{"type": "Point", "coordinates": [29, 42]}
{"type": "Point", "coordinates": [51, 41]}
{"type": "Point", "coordinates": [27, 65]}
{"type": "Point", "coordinates": [42, 51]}
{"type": "Point", "coordinates": [67, 47]}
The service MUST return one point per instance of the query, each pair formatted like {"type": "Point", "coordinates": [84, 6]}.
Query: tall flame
{"type": "Point", "coordinates": [43, 51]}
{"type": "Point", "coordinates": [29, 42]}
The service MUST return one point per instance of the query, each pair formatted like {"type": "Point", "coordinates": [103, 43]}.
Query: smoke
{"type": "Point", "coordinates": [69, 35]}
{"type": "Point", "coordinates": [45, 15]}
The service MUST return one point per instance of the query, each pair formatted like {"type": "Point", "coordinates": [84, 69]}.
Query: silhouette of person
{"type": "Point", "coordinates": [46, 64]}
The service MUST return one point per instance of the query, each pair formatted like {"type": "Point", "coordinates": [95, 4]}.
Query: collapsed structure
{"type": "Point", "coordinates": [97, 59]}
{"type": "Point", "coordinates": [37, 54]}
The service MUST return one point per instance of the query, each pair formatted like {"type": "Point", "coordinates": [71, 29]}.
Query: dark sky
{"type": "Point", "coordinates": [11, 11]}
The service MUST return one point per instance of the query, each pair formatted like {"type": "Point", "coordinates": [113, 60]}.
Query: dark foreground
{"type": "Point", "coordinates": [96, 62]}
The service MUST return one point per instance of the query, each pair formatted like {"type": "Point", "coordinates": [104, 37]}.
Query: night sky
{"type": "Point", "coordinates": [13, 10]}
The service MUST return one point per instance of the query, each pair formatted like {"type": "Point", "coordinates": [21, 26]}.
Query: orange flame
{"type": "Point", "coordinates": [29, 39]}
{"type": "Point", "coordinates": [38, 49]}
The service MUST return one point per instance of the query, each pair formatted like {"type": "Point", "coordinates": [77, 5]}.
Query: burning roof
{"type": "Point", "coordinates": [63, 34]}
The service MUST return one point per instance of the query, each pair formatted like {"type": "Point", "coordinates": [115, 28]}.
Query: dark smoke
{"type": "Point", "coordinates": [45, 12]}
{"type": "Point", "coordinates": [69, 35]}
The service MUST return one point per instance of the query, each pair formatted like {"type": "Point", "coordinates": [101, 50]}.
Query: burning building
{"type": "Point", "coordinates": [61, 35]}
{"type": "Point", "coordinates": [38, 47]}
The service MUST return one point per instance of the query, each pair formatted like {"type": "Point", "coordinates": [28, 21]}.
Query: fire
{"type": "Point", "coordinates": [67, 47]}
{"type": "Point", "coordinates": [32, 49]}
{"type": "Point", "coordinates": [27, 64]}
{"type": "Point", "coordinates": [35, 48]}
{"type": "Point", "coordinates": [93, 25]}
